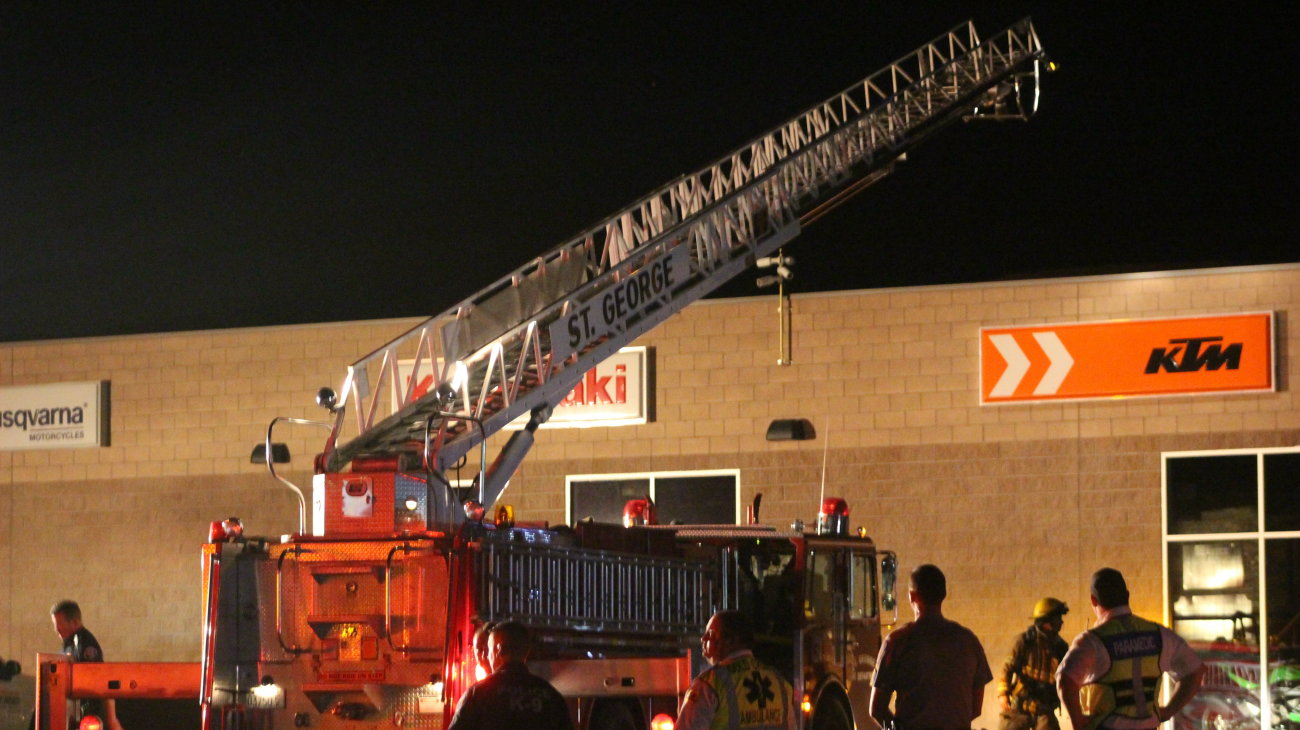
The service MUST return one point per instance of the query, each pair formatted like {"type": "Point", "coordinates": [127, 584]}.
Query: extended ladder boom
{"type": "Point", "coordinates": [521, 344]}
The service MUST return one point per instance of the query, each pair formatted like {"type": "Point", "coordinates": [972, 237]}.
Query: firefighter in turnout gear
{"type": "Point", "coordinates": [738, 691]}
{"type": "Point", "coordinates": [1118, 665]}
{"type": "Point", "coordinates": [1027, 684]}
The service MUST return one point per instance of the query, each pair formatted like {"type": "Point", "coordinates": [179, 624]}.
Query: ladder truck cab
{"type": "Point", "coordinates": [818, 602]}
{"type": "Point", "coordinates": [371, 624]}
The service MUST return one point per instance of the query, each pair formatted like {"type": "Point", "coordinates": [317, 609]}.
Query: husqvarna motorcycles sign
{"type": "Point", "coordinates": [54, 416]}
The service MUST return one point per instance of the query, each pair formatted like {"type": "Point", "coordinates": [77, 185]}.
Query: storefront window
{"type": "Point", "coordinates": [603, 499]}
{"type": "Point", "coordinates": [1283, 559]}
{"type": "Point", "coordinates": [1281, 492]}
{"type": "Point", "coordinates": [1210, 494]}
{"type": "Point", "coordinates": [1214, 591]}
{"type": "Point", "coordinates": [686, 498]}
{"type": "Point", "coordinates": [696, 499]}
{"type": "Point", "coordinates": [1234, 589]}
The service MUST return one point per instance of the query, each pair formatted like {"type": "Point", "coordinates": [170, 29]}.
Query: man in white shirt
{"type": "Point", "coordinates": [1123, 658]}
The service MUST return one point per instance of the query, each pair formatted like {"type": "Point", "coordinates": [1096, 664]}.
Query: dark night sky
{"type": "Point", "coordinates": [210, 165]}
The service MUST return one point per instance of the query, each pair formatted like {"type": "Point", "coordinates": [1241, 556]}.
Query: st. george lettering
{"type": "Point", "coordinates": [654, 282]}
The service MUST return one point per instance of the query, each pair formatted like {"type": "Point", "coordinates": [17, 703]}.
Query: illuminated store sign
{"type": "Point", "coordinates": [614, 393]}
{"type": "Point", "coordinates": [1152, 357]}
{"type": "Point", "coordinates": [54, 416]}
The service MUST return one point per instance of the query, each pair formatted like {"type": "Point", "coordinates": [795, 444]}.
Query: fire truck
{"type": "Point", "coordinates": [371, 626]}
{"type": "Point", "coordinates": [364, 619]}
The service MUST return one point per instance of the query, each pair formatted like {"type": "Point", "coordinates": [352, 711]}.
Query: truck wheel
{"type": "Point", "coordinates": [614, 716]}
{"type": "Point", "coordinates": [832, 715]}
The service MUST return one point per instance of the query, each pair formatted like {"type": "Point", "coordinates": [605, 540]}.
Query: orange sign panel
{"type": "Point", "coordinates": [1216, 354]}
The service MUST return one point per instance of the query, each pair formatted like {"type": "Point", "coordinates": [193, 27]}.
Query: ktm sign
{"type": "Point", "coordinates": [1215, 354]}
{"type": "Point", "coordinates": [1186, 356]}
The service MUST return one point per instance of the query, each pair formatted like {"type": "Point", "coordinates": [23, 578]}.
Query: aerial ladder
{"type": "Point", "coordinates": [521, 344]}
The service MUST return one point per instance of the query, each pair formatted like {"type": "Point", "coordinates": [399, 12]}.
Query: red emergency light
{"type": "Point", "coordinates": [639, 512]}
{"type": "Point", "coordinates": [90, 722]}
{"type": "Point", "coordinates": [225, 530]}
{"type": "Point", "coordinates": [473, 510]}
{"type": "Point", "coordinates": [834, 517]}
{"type": "Point", "coordinates": [662, 722]}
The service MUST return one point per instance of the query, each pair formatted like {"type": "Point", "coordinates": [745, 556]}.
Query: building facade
{"type": "Point", "coordinates": [1014, 500]}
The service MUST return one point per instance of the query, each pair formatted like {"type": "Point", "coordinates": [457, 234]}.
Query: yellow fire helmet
{"type": "Point", "coordinates": [1048, 607]}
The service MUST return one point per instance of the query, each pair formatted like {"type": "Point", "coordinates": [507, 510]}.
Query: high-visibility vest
{"type": "Point", "coordinates": [1129, 688]}
{"type": "Point", "coordinates": [751, 695]}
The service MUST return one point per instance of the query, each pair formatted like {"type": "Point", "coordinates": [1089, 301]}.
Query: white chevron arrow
{"type": "Point", "coordinates": [1060, 360]}
{"type": "Point", "coordinates": [1017, 365]}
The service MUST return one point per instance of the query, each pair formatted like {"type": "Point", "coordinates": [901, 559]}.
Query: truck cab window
{"type": "Point", "coordinates": [862, 587]}
{"type": "Point", "coordinates": [767, 589]}
{"type": "Point", "coordinates": [821, 585]}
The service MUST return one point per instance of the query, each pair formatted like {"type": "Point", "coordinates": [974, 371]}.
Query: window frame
{"type": "Point", "coordinates": [1260, 535]}
{"type": "Point", "coordinates": [652, 477]}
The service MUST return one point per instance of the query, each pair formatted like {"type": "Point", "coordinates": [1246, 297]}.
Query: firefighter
{"type": "Point", "coordinates": [1027, 684]}
{"type": "Point", "coordinates": [81, 646]}
{"type": "Point", "coordinates": [737, 691]}
{"type": "Point", "coordinates": [1120, 661]}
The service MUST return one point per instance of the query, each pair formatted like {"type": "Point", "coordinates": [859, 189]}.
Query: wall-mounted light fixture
{"type": "Point", "coordinates": [791, 429]}
{"type": "Point", "coordinates": [279, 454]}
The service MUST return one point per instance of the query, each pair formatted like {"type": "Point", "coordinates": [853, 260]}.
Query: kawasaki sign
{"type": "Point", "coordinates": [54, 416]}
{"type": "Point", "coordinates": [619, 391]}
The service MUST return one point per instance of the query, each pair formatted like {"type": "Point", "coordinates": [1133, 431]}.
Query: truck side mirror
{"type": "Point", "coordinates": [889, 583]}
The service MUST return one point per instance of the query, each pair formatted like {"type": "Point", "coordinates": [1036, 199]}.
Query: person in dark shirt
{"type": "Point", "coordinates": [81, 646]}
{"type": "Point", "coordinates": [511, 697]}
{"type": "Point", "coordinates": [935, 667]}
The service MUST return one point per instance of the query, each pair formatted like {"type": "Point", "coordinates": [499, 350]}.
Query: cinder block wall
{"type": "Point", "coordinates": [1014, 502]}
